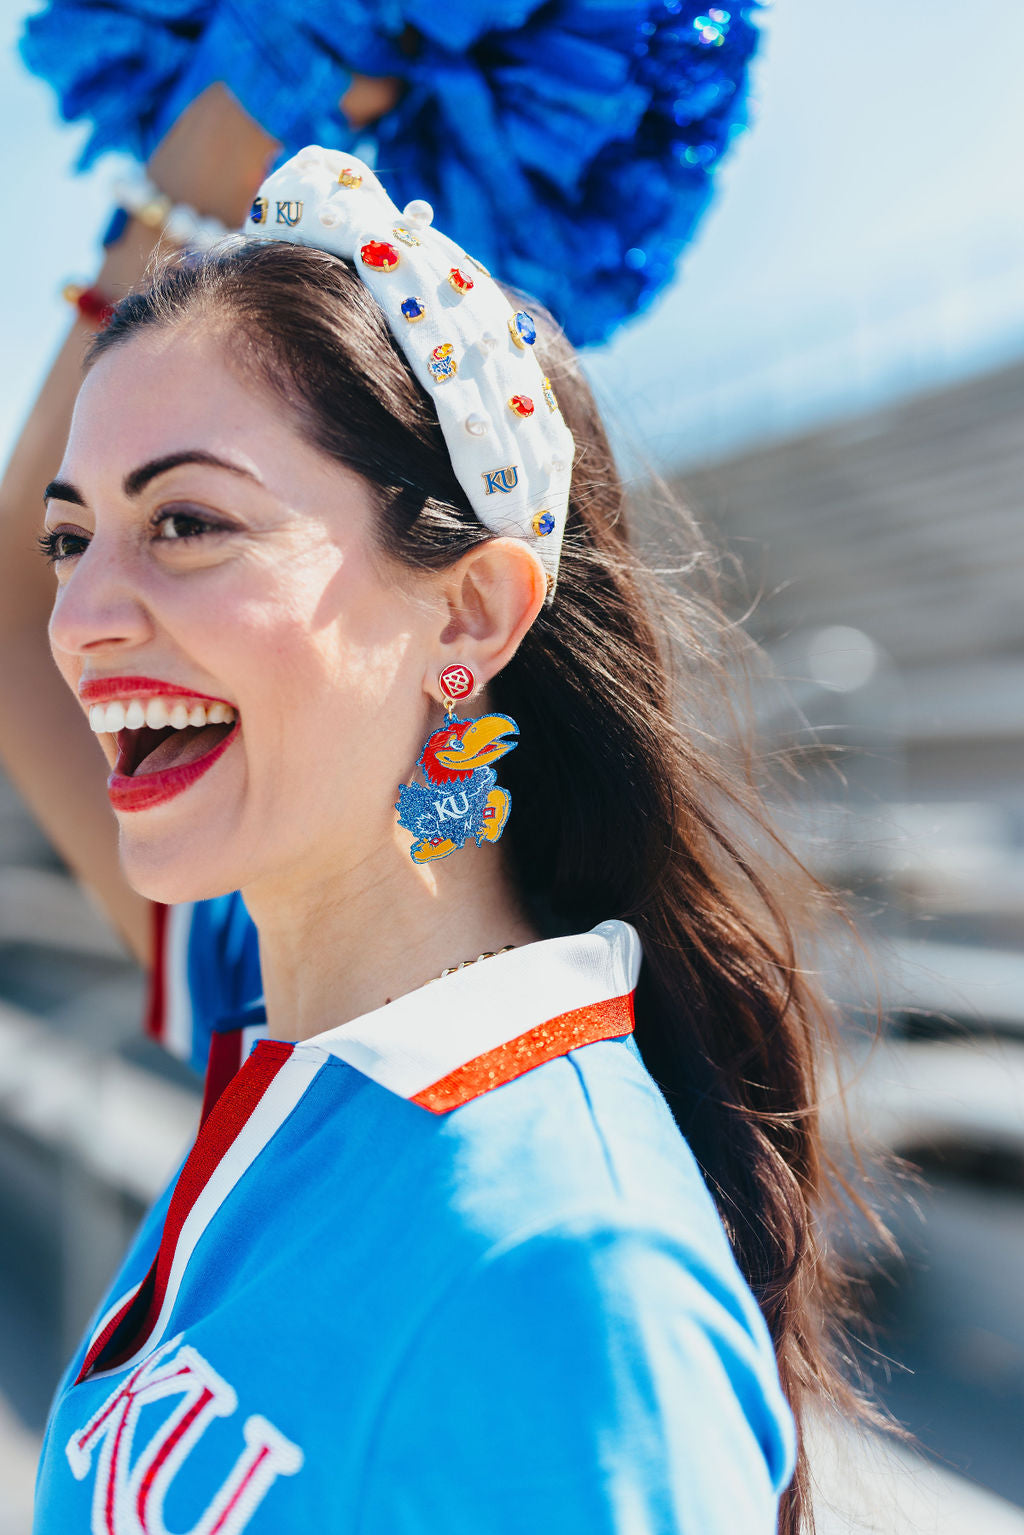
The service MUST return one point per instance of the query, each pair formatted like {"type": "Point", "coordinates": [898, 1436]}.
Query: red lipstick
{"type": "Point", "coordinates": [145, 790]}
{"type": "Point", "coordinates": [108, 690]}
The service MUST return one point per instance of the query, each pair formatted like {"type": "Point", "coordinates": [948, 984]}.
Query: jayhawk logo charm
{"type": "Point", "coordinates": [461, 797]}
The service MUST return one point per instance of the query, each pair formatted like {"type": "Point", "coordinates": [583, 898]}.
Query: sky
{"type": "Point", "coordinates": [867, 240]}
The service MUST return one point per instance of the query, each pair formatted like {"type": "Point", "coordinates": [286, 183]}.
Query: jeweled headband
{"type": "Point", "coordinates": [472, 352]}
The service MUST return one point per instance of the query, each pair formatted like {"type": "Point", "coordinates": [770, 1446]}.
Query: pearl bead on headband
{"type": "Point", "coordinates": [472, 352]}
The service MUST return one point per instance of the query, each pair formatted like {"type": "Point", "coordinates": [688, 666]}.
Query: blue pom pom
{"type": "Point", "coordinates": [571, 146]}
{"type": "Point", "coordinates": [115, 228]}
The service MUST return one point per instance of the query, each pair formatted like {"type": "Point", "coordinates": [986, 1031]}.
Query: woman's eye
{"type": "Point", "coordinates": [58, 545]}
{"type": "Point", "coordinates": [178, 523]}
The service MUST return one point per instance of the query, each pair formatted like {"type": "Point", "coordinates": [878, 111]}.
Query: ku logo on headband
{"type": "Point", "coordinates": [501, 479]}
{"type": "Point", "coordinates": [132, 1480]}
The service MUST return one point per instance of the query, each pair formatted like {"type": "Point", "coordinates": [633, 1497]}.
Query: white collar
{"type": "Point", "coordinates": [458, 1036]}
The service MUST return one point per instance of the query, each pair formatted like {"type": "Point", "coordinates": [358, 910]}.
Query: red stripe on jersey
{"type": "Point", "coordinates": [97, 1343]}
{"type": "Point", "coordinates": [224, 1063]}
{"type": "Point", "coordinates": [229, 1117]}
{"type": "Point", "coordinates": [156, 1010]}
{"type": "Point", "coordinates": [582, 1026]}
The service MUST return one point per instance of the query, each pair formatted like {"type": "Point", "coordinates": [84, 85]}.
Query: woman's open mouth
{"type": "Point", "coordinates": [163, 746]}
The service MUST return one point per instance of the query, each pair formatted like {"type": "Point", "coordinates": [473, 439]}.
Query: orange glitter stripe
{"type": "Point", "coordinates": [584, 1025]}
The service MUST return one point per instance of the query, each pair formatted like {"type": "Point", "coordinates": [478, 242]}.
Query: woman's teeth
{"type": "Point", "coordinates": [156, 714]}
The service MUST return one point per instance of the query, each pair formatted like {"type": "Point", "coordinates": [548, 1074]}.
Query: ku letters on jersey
{"type": "Point", "coordinates": [134, 1456]}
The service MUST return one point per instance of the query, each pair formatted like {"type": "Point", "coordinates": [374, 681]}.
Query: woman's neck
{"type": "Point", "coordinates": [334, 948]}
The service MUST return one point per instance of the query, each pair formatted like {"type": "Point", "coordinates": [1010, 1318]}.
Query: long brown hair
{"type": "Point", "coordinates": [635, 808]}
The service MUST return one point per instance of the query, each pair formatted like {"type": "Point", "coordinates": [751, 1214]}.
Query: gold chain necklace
{"type": "Point", "coordinates": [452, 969]}
{"type": "Point", "coordinates": [490, 954]}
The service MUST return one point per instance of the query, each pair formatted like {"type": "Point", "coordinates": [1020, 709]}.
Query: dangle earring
{"type": "Point", "coordinates": [461, 798]}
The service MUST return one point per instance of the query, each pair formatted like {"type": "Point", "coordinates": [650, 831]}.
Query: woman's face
{"type": "Point", "coordinates": [250, 583]}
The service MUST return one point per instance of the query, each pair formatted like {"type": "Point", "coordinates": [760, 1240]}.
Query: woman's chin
{"type": "Point", "coordinates": [177, 866]}
{"type": "Point", "coordinates": [179, 840]}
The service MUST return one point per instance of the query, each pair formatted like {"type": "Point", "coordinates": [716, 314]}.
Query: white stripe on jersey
{"type": "Point", "coordinates": [250, 1034]}
{"type": "Point", "coordinates": [176, 1033]}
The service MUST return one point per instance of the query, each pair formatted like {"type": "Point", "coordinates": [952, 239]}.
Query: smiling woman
{"type": "Point", "coordinates": [493, 1281]}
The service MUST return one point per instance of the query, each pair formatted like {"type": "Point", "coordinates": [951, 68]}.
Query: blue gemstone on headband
{"type": "Point", "coordinates": [543, 524]}
{"type": "Point", "coordinates": [524, 331]}
{"type": "Point", "coordinates": [413, 309]}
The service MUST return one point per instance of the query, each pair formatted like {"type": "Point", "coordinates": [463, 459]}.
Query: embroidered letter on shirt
{"type": "Point", "coordinates": [129, 1498]}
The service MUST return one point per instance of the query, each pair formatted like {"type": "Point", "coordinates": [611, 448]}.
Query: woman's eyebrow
{"type": "Point", "coordinates": [136, 480]}
{"type": "Point", "coordinates": [61, 490]}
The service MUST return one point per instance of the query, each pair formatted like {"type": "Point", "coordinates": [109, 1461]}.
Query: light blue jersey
{"type": "Point", "coordinates": [449, 1266]}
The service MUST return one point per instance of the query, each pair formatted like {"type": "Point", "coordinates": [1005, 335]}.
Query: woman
{"type": "Point", "coordinates": [440, 1254]}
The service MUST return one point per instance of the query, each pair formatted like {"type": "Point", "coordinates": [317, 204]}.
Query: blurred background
{"type": "Point", "coordinates": [835, 384]}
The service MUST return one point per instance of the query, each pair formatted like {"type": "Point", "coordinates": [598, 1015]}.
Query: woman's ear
{"type": "Point", "coordinates": [493, 593]}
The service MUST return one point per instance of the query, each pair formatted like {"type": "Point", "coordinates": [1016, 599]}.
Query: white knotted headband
{"type": "Point", "coordinates": [472, 352]}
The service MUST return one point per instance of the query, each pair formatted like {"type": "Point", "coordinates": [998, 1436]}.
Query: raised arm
{"type": "Point", "coordinates": [213, 159]}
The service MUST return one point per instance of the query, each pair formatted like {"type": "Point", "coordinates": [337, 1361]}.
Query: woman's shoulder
{"type": "Point", "coordinates": [584, 1142]}
{"type": "Point", "coordinates": [601, 1291]}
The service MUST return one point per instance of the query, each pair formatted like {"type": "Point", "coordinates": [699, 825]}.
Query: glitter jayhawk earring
{"type": "Point", "coordinates": [461, 798]}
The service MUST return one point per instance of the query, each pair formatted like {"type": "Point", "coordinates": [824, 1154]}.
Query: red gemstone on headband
{"type": "Point", "coordinates": [460, 280]}
{"type": "Point", "coordinates": [379, 255]}
{"type": "Point", "coordinates": [521, 404]}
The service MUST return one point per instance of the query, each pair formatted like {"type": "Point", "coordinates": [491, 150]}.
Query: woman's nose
{"type": "Point", "coordinates": [99, 607]}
